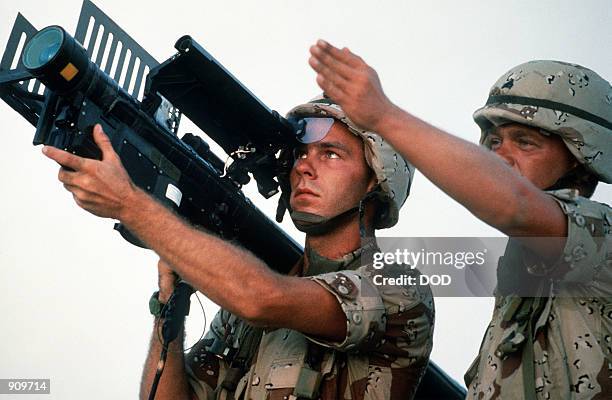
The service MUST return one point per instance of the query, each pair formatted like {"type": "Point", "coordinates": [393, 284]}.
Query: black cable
{"type": "Point", "coordinates": [160, 369]}
{"type": "Point", "coordinates": [173, 318]}
{"type": "Point", "coordinates": [164, 353]}
{"type": "Point", "coordinates": [204, 325]}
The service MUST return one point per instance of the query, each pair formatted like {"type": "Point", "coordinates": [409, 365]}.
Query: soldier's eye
{"type": "Point", "coordinates": [525, 142]}
{"type": "Point", "coordinates": [299, 153]}
{"type": "Point", "coordinates": [493, 142]}
{"type": "Point", "coordinates": [331, 154]}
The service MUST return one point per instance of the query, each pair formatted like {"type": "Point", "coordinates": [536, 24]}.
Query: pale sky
{"type": "Point", "coordinates": [74, 295]}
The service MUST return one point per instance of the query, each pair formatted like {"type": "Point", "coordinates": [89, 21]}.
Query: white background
{"type": "Point", "coordinates": [73, 294]}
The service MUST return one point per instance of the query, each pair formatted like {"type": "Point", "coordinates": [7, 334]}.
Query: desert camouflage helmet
{"type": "Point", "coordinates": [565, 99]}
{"type": "Point", "coordinates": [393, 174]}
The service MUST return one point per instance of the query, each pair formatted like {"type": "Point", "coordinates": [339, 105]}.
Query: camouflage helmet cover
{"type": "Point", "coordinates": [393, 174]}
{"type": "Point", "coordinates": [565, 99]}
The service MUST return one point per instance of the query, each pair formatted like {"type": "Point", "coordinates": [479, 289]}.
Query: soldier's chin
{"type": "Point", "coordinates": [305, 204]}
{"type": "Point", "coordinates": [307, 209]}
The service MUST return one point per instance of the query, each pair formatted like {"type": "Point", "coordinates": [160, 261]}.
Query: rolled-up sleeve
{"type": "Point", "coordinates": [363, 308]}
{"type": "Point", "coordinates": [391, 319]}
{"type": "Point", "coordinates": [587, 254]}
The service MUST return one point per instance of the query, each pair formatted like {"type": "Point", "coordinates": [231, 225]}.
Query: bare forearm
{"type": "Point", "coordinates": [173, 383]}
{"type": "Point", "coordinates": [471, 175]}
{"type": "Point", "coordinates": [462, 169]}
{"type": "Point", "coordinates": [229, 275]}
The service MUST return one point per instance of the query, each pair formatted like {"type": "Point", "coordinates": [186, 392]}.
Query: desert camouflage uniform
{"type": "Point", "coordinates": [571, 350]}
{"type": "Point", "coordinates": [384, 355]}
{"type": "Point", "coordinates": [557, 345]}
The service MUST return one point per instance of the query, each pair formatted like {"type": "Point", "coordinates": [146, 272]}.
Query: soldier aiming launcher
{"type": "Point", "coordinates": [184, 174]}
{"type": "Point", "coordinates": [63, 89]}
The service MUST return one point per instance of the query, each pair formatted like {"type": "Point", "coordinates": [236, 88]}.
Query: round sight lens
{"type": "Point", "coordinates": [42, 47]}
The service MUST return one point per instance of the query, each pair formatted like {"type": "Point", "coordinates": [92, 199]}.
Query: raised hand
{"type": "Point", "coordinates": [352, 84]}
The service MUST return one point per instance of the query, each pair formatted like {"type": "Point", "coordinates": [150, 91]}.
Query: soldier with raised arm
{"type": "Point", "coordinates": [546, 142]}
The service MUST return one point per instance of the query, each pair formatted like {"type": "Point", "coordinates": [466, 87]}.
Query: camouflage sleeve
{"type": "Point", "coordinates": [380, 316]}
{"type": "Point", "coordinates": [362, 306]}
{"type": "Point", "coordinates": [587, 255]}
{"type": "Point", "coordinates": [402, 355]}
{"type": "Point", "coordinates": [204, 369]}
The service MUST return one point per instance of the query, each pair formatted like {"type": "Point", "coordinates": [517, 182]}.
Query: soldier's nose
{"type": "Point", "coordinates": [304, 167]}
{"type": "Point", "coordinates": [505, 154]}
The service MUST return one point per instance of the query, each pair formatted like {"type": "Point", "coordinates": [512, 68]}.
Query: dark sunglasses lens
{"type": "Point", "coordinates": [316, 129]}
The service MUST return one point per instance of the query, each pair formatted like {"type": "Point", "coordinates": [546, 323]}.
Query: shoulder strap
{"type": "Point", "coordinates": [240, 363]}
{"type": "Point", "coordinates": [248, 348]}
{"type": "Point", "coordinates": [528, 362]}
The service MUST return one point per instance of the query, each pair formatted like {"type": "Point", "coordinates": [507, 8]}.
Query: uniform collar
{"type": "Point", "coordinates": [317, 264]}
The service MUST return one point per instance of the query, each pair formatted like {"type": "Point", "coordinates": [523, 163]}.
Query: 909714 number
{"type": "Point", "coordinates": [25, 386]}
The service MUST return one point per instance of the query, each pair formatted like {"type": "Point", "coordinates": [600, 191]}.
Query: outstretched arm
{"type": "Point", "coordinates": [227, 274]}
{"type": "Point", "coordinates": [510, 202]}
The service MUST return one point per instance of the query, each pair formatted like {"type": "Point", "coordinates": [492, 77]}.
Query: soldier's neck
{"type": "Point", "coordinates": [336, 243]}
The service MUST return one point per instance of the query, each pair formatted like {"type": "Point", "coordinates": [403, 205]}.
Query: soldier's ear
{"type": "Point", "coordinates": [575, 163]}
{"type": "Point", "coordinates": [372, 181]}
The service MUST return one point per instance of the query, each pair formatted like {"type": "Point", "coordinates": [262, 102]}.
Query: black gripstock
{"type": "Point", "coordinates": [119, 85]}
{"type": "Point", "coordinates": [226, 110]}
{"type": "Point", "coordinates": [139, 103]}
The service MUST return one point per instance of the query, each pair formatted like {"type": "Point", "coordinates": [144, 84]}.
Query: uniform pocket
{"type": "Point", "coordinates": [293, 377]}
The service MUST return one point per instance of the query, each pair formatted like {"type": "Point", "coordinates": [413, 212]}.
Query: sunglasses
{"type": "Point", "coordinates": [312, 130]}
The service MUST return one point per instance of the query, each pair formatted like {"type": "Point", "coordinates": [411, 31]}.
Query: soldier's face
{"type": "Point", "coordinates": [541, 159]}
{"type": "Point", "coordinates": [330, 176]}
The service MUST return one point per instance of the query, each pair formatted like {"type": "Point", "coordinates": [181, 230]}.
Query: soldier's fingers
{"type": "Point", "coordinates": [81, 203]}
{"type": "Point", "coordinates": [64, 158]}
{"type": "Point", "coordinates": [344, 55]}
{"type": "Point", "coordinates": [103, 142]}
{"type": "Point", "coordinates": [66, 176]}
{"type": "Point", "coordinates": [328, 74]}
{"type": "Point", "coordinates": [162, 265]}
{"type": "Point", "coordinates": [330, 88]}
{"type": "Point", "coordinates": [321, 60]}
{"type": "Point", "coordinates": [77, 193]}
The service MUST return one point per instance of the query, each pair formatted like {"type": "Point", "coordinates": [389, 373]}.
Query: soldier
{"type": "Point", "coordinates": [550, 124]}
{"type": "Point", "coordinates": [326, 330]}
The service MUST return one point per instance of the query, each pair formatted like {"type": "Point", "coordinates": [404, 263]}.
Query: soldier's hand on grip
{"type": "Point", "coordinates": [166, 279]}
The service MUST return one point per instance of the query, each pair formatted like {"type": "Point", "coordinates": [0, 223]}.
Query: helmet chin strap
{"type": "Point", "coordinates": [316, 225]}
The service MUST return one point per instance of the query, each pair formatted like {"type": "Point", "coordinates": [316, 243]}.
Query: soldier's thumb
{"type": "Point", "coordinates": [103, 142]}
